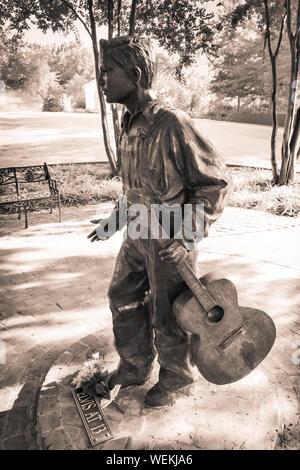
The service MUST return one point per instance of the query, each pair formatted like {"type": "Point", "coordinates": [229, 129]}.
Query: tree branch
{"type": "Point", "coordinates": [108, 149]}
{"type": "Point", "coordinates": [268, 32]}
{"type": "Point", "coordinates": [289, 20]}
{"type": "Point", "coordinates": [280, 35]}
{"type": "Point", "coordinates": [94, 35]}
{"type": "Point", "coordinates": [77, 16]}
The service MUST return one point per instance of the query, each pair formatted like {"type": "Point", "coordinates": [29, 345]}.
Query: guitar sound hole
{"type": "Point", "coordinates": [215, 314]}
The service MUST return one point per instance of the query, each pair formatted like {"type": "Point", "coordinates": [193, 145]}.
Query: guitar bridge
{"type": "Point", "coordinates": [230, 337]}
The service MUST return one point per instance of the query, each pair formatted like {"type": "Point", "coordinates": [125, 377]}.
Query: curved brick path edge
{"type": "Point", "coordinates": [18, 430]}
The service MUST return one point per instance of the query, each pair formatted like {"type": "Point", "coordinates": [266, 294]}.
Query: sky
{"type": "Point", "coordinates": [36, 35]}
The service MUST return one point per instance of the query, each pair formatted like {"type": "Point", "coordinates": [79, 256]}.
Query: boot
{"type": "Point", "coordinates": [158, 395]}
{"type": "Point", "coordinates": [126, 375]}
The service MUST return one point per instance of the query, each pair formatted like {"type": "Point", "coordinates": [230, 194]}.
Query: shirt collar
{"type": "Point", "coordinates": [144, 108]}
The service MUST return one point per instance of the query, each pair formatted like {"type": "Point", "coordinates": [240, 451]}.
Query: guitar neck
{"type": "Point", "coordinates": [184, 269]}
{"type": "Point", "coordinates": [196, 286]}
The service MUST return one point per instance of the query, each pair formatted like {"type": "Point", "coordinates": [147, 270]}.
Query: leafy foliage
{"type": "Point", "coordinates": [12, 66]}
{"type": "Point", "coordinates": [46, 72]}
{"type": "Point", "coordinates": [69, 60]}
{"type": "Point", "coordinates": [39, 79]}
{"type": "Point", "coordinates": [239, 69]}
{"type": "Point", "coordinates": [238, 13]}
{"type": "Point", "coordinates": [242, 71]}
{"type": "Point", "coordinates": [190, 93]}
{"type": "Point", "coordinates": [53, 101]}
{"type": "Point", "coordinates": [44, 14]}
{"type": "Point", "coordinates": [179, 26]}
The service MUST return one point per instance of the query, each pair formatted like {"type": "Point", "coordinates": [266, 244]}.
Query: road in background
{"type": "Point", "coordinates": [30, 137]}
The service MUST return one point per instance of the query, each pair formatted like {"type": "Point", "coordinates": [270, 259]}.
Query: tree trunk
{"type": "Point", "coordinates": [114, 112]}
{"type": "Point", "coordinates": [108, 149]}
{"type": "Point", "coordinates": [295, 147]}
{"type": "Point", "coordinates": [290, 143]}
{"type": "Point", "coordinates": [238, 103]}
{"type": "Point", "coordinates": [110, 18]}
{"type": "Point", "coordinates": [292, 149]}
{"type": "Point", "coordinates": [273, 59]}
{"type": "Point", "coordinates": [119, 16]}
{"type": "Point", "coordinates": [289, 157]}
{"type": "Point", "coordinates": [132, 17]}
{"type": "Point", "coordinates": [275, 125]}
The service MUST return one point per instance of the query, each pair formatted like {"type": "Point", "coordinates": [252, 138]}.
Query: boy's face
{"type": "Point", "coordinates": [114, 80]}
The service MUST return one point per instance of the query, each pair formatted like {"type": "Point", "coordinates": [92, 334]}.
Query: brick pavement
{"type": "Point", "coordinates": [39, 319]}
{"type": "Point", "coordinates": [226, 413]}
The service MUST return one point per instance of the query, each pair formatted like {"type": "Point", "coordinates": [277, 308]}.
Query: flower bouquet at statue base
{"type": "Point", "coordinates": [94, 380]}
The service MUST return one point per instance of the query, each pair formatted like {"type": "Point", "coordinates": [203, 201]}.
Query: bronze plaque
{"type": "Point", "coordinates": [92, 417]}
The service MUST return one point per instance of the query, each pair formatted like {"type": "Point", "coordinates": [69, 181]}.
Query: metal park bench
{"type": "Point", "coordinates": [22, 187]}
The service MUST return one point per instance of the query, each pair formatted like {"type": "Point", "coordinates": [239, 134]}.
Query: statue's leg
{"type": "Point", "coordinates": [172, 343]}
{"type": "Point", "coordinates": [129, 303]}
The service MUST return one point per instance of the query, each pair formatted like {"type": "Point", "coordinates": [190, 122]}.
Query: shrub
{"type": "Point", "coordinates": [53, 100]}
{"type": "Point", "coordinates": [83, 184]}
{"type": "Point", "coordinates": [253, 188]}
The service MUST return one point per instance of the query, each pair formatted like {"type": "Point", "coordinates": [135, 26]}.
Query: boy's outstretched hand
{"type": "Point", "coordinates": [102, 232]}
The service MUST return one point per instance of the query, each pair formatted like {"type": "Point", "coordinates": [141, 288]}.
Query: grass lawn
{"type": "Point", "coordinates": [252, 188]}
{"type": "Point", "coordinates": [30, 138]}
{"type": "Point", "coordinates": [89, 183]}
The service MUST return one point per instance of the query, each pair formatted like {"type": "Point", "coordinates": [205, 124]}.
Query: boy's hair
{"type": "Point", "coordinates": [130, 52]}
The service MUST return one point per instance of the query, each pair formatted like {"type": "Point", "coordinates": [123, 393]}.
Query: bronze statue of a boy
{"type": "Point", "coordinates": [162, 152]}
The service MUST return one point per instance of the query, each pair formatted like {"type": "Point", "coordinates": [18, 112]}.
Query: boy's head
{"type": "Point", "coordinates": [126, 62]}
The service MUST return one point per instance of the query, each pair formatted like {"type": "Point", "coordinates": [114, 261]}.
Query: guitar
{"type": "Point", "coordinates": [227, 341]}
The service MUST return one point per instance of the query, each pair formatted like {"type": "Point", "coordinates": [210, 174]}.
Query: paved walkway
{"type": "Point", "coordinates": [53, 293]}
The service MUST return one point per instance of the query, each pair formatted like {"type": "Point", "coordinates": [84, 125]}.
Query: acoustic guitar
{"type": "Point", "coordinates": [227, 341]}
